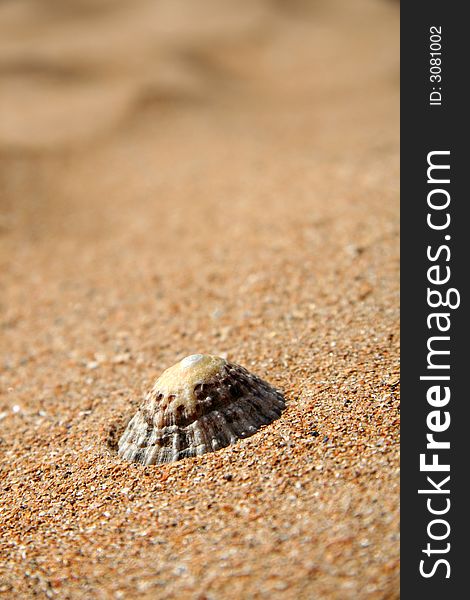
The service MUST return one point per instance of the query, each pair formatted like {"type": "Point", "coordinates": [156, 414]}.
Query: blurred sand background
{"type": "Point", "coordinates": [213, 176]}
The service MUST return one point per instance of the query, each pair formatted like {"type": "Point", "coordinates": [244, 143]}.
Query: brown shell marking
{"type": "Point", "coordinates": [201, 404]}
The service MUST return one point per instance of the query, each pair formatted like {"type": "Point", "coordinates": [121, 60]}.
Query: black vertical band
{"type": "Point", "coordinates": [434, 290]}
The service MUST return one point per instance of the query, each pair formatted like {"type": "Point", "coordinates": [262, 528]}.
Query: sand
{"type": "Point", "coordinates": [184, 177]}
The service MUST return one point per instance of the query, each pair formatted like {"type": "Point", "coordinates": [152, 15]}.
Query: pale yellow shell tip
{"type": "Point", "coordinates": [191, 360]}
{"type": "Point", "coordinates": [189, 371]}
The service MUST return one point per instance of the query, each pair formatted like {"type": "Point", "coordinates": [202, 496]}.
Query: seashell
{"type": "Point", "coordinates": [201, 404]}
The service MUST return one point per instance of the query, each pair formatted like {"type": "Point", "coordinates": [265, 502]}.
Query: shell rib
{"type": "Point", "coordinates": [199, 405]}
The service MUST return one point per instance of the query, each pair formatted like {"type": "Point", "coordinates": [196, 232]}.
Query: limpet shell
{"type": "Point", "coordinates": [201, 404]}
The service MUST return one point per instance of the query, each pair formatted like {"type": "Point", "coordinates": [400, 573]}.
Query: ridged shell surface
{"type": "Point", "coordinates": [201, 404]}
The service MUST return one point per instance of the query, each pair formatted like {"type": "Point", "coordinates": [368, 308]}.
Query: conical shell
{"type": "Point", "coordinates": [199, 405]}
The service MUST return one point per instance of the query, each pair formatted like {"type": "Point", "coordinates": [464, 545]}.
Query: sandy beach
{"type": "Point", "coordinates": [217, 177]}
